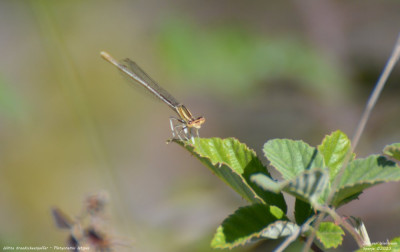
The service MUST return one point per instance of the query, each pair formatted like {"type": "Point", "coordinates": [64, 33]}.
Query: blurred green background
{"type": "Point", "coordinates": [70, 126]}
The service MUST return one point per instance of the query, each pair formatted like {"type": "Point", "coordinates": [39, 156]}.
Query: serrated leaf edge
{"type": "Point", "coordinates": [290, 140]}
{"type": "Point", "coordinates": [220, 164]}
{"type": "Point", "coordinates": [250, 238]}
{"type": "Point", "coordinates": [341, 237]}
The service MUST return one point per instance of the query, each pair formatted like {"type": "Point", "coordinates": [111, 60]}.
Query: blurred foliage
{"type": "Point", "coordinates": [230, 55]}
{"type": "Point", "coordinates": [10, 105]}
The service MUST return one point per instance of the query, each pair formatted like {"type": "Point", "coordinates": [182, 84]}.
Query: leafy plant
{"type": "Point", "coordinates": [308, 174]}
{"type": "Point", "coordinates": [321, 179]}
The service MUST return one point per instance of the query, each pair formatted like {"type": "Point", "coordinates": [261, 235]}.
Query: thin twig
{"type": "Point", "coordinates": [288, 241]}
{"type": "Point", "coordinates": [296, 234]}
{"type": "Point", "coordinates": [336, 217]}
{"type": "Point", "coordinates": [394, 57]}
{"type": "Point", "coordinates": [293, 237]}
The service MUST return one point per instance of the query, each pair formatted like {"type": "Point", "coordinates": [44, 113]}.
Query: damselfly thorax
{"type": "Point", "coordinates": [181, 126]}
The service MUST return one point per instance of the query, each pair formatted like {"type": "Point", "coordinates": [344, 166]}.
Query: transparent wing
{"type": "Point", "coordinates": [62, 220]}
{"type": "Point", "coordinates": [146, 81]}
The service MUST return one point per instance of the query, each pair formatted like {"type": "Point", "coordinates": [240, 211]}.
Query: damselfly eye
{"type": "Point", "coordinates": [140, 77]}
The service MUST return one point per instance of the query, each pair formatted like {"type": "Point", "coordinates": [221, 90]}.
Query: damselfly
{"type": "Point", "coordinates": [183, 125]}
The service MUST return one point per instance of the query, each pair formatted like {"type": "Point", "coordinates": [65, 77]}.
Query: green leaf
{"type": "Point", "coordinates": [308, 185]}
{"type": "Point", "coordinates": [291, 158]}
{"type": "Point", "coordinates": [345, 200]}
{"type": "Point", "coordinates": [361, 174]}
{"type": "Point", "coordinates": [234, 163]}
{"type": "Point", "coordinates": [393, 151]}
{"type": "Point", "coordinates": [280, 229]}
{"type": "Point", "coordinates": [330, 235]}
{"type": "Point", "coordinates": [248, 224]}
{"type": "Point", "coordinates": [268, 183]}
{"type": "Point", "coordinates": [302, 211]}
{"type": "Point", "coordinates": [334, 149]}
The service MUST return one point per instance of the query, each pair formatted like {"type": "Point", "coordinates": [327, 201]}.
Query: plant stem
{"type": "Point", "coordinates": [394, 57]}
{"type": "Point", "coordinates": [345, 224]}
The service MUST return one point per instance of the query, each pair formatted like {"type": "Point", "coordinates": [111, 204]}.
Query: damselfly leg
{"type": "Point", "coordinates": [181, 127]}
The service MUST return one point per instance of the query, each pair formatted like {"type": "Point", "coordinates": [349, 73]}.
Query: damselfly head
{"type": "Point", "coordinates": [196, 123]}
{"type": "Point", "coordinates": [96, 203]}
